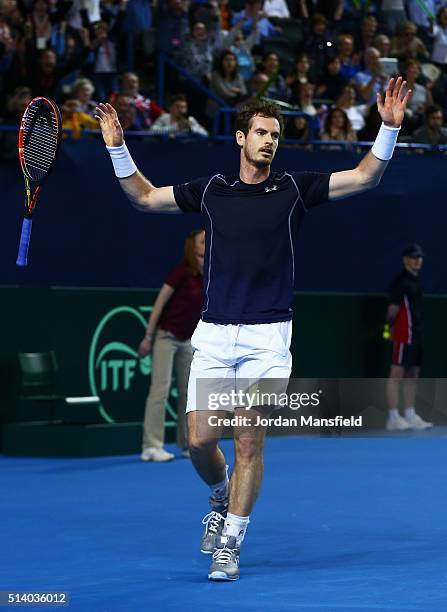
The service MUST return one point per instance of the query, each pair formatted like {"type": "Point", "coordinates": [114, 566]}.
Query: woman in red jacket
{"type": "Point", "coordinates": [172, 322]}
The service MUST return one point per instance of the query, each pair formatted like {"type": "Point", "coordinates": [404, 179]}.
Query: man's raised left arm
{"type": "Point", "coordinates": [371, 168]}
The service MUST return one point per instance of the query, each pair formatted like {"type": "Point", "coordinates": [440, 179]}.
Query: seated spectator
{"type": "Point", "coordinates": [177, 121]}
{"type": "Point", "coordinates": [276, 8]}
{"type": "Point", "coordinates": [252, 16]}
{"type": "Point", "coordinates": [364, 40]}
{"type": "Point", "coordinates": [258, 83]}
{"type": "Point", "coordinates": [45, 76]}
{"type": "Point", "coordinates": [383, 45]}
{"type": "Point", "coordinates": [83, 90]}
{"type": "Point", "coordinates": [297, 128]}
{"type": "Point", "coordinates": [172, 28]}
{"type": "Point", "coordinates": [338, 127]}
{"type": "Point", "coordinates": [305, 98]}
{"type": "Point", "coordinates": [75, 120]}
{"type": "Point", "coordinates": [226, 81]}
{"type": "Point", "coordinates": [277, 89]}
{"type": "Point", "coordinates": [127, 113]}
{"type": "Point", "coordinates": [355, 112]}
{"type": "Point", "coordinates": [67, 55]}
{"type": "Point", "coordinates": [300, 72]}
{"type": "Point", "coordinates": [432, 132]}
{"type": "Point", "coordinates": [348, 59]}
{"type": "Point", "coordinates": [15, 106]}
{"type": "Point", "coordinates": [147, 111]}
{"type": "Point", "coordinates": [439, 33]}
{"type": "Point", "coordinates": [393, 14]}
{"type": "Point", "coordinates": [332, 81]}
{"type": "Point", "coordinates": [198, 52]}
{"type": "Point", "coordinates": [318, 44]}
{"type": "Point", "coordinates": [241, 47]}
{"type": "Point", "coordinates": [369, 82]}
{"type": "Point", "coordinates": [406, 45]}
{"type": "Point", "coordinates": [421, 97]}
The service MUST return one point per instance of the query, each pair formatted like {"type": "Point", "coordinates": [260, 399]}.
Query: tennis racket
{"type": "Point", "coordinates": [39, 136]}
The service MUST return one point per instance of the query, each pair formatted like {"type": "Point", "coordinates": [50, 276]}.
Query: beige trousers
{"type": "Point", "coordinates": [169, 355]}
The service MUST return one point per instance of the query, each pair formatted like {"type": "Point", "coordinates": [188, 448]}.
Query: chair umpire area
{"type": "Point", "coordinates": [39, 385]}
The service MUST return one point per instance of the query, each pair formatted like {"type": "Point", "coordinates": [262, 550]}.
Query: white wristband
{"type": "Point", "coordinates": [385, 142]}
{"type": "Point", "coordinates": [123, 163]}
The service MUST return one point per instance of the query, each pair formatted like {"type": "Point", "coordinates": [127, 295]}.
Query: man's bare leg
{"type": "Point", "coordinates": [248, 471]}
{"type": "Point", "coordinates": [206, 456]}
{"type": "Point", "coordinates": [245, 484]}
{"type": "Point", "coordinates": [209, 462]}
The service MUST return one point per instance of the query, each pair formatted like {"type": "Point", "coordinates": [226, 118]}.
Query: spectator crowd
{"type": "Point", "coordinates": [327, 59]}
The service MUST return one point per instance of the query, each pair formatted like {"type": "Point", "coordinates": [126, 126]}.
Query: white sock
{"type": "Point", "coordinates": [235, 526]}
{"type": "Point", "coordinates": [409, 413]}
{"type": "Point", "coordinates": [220, 490]}
{"type": "Point", "coordinates": [394, 413]}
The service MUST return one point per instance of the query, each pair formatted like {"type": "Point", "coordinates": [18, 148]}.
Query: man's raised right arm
{"type": "Point", "coordinates": [140, 191]}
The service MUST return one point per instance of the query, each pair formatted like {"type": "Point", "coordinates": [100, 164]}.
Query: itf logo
{"type": "Point", "coordinates": [116, 373]}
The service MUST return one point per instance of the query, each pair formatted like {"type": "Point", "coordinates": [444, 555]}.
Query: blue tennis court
{"type": "Point", "coordinates": [341, 524]}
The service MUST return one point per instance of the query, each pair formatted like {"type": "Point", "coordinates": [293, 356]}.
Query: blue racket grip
{"type": "Point", "coordinates": [22, 258]}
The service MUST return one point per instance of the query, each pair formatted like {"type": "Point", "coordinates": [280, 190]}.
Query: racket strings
{"type": "Point", "coordinates": [40, 137]}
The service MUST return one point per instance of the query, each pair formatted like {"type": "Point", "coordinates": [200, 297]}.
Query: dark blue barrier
{"type": "Point", "coordinates": [86, 233]}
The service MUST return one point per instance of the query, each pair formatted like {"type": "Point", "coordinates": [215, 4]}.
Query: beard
{"type": "Point", "coordinates": [257, 163]}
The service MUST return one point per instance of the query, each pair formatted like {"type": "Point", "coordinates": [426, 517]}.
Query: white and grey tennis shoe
{"type": "Point", "coordinates": [225, 564]}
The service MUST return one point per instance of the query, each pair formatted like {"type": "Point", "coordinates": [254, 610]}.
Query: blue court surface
{"type": "Point", "coordinates": [341, 524]}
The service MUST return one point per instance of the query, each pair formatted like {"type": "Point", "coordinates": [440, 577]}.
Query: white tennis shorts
{"type": "Point", "coordinates": [239, 357]}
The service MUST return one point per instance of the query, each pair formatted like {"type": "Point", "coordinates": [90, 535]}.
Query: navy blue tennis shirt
{"type": "Point", "coordinates": [249, 265]}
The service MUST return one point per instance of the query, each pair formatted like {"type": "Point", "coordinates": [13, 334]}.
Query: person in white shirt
{"type": "Point", "coordinates": [177, 121]}
{"type": "Point", "coordinates": [276, 8]}
{"type": "Point", "coordinates": [355, 112]}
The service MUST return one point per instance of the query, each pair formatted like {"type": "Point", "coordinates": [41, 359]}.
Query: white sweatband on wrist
{"type": "Point", "coordinates": [385, 142]}
{"type": "Point", "coordinates": [123, 163]}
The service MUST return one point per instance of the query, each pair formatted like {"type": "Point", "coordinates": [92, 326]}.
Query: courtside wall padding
{"type": "Point", "coordinates": [96, 332]}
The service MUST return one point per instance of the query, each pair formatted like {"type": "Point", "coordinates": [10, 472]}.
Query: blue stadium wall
{"type": "Point", "coordinates": [86, 233]}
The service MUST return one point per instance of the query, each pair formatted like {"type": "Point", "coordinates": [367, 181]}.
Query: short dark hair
{"type": "Point", "coordinates": [176, 98]}
{"type": "Point", "coordinates": [432, 109]}
{"type": "Point", "coordinates": [260, 108]}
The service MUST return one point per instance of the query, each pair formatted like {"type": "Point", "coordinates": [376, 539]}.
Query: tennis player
{"type": "Point", "coordinates": [245, 328]}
